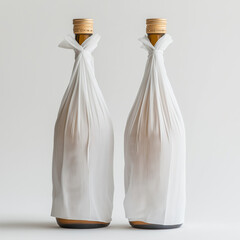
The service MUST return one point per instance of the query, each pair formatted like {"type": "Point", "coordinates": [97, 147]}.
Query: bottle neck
{"type": "Point", "coordinates": [80, 38]}
{"type": "Point", "coordinates": [153, 37]}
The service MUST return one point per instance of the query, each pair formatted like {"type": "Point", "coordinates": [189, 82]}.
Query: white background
{"type": "Point", "coordinates": [203, 67]}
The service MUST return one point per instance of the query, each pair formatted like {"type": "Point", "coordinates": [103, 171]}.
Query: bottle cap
{"type": "Point", "coordinates": [156, 25]}
{"type": "Point", "coordinates": [83, 26]}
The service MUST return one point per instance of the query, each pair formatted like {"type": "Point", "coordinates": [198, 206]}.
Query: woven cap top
{"type": "Point", "coordinates": [156, 25]}
{"type": "Point", "coordinates": [83, 26]}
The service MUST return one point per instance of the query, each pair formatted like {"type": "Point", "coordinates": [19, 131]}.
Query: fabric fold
{"type": "Point", "coordinates": [83, 143]}
{"type": "Point", "coordinates": [154, 146]}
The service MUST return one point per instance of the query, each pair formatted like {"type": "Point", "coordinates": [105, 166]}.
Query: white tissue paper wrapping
{"type": "Point", "coordinates": [83, 144]}
{"type": "Point", "coordinates": [155, 147]}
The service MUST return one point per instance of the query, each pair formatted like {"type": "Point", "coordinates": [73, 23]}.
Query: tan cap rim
{"type": "Point", "coordinates": [83, 26]}
{"type": "Point", "coordinates": [156, 25]}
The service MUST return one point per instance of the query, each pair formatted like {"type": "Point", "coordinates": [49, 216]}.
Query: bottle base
{"type": "Point", "coordinates": [80, 224]}
{"type": "Point", "coordinates": [144, 225]}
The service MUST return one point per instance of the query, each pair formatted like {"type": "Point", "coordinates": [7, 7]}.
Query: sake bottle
{"type": "Point", "coordinates": [154, 143]}
{"type": "Point", "coordinates": [83, 142]}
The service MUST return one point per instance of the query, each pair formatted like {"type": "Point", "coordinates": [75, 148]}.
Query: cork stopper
{"type": "Point", "coordinates": [156, 25]}
{"type": "Point", "coordinates": [83, 26]}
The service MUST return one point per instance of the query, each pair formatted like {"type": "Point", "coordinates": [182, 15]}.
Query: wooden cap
{"type": "Point", "coordinates": [156, 25]}
{"type": "Point", "coordinates": [83, 26]}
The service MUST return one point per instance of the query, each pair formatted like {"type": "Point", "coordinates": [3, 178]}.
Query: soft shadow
{"type": "Point", "coordinates": [7, 225]}
{"type": "Point", "coordinates": [120, 226]}
{"type": "Point", "coordinates": [27, 225]}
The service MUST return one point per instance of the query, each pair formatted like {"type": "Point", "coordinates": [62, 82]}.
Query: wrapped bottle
{"type": "Point", "coordinates": [155, 143]}
{"type": "Point", "coordinates": [83, 142]}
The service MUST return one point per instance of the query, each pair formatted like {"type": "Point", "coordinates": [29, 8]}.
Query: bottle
{"type": "Point", "coordinates": [154, 144]}
{"type": "Point", "coordinates": [83, 142]}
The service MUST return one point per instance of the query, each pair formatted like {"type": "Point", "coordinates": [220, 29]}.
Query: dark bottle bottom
{"type": "Point", "coordinates": [80, 224]}
{"type": "Point", "coordinates": [144, 225]}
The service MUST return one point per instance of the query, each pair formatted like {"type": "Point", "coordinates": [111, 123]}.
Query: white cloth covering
{"type": "Point", "coordinates": [155, 147]}
{"type": "Point", "coordinates": [83, 144]}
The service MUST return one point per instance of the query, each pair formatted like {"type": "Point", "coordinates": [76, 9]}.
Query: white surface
{"type": "Point", "coordinates": [45, 228]}
{"type": "Point", "coordinates": [155, 146]}
{"type": "Point", "coordinates": [202, 64]}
